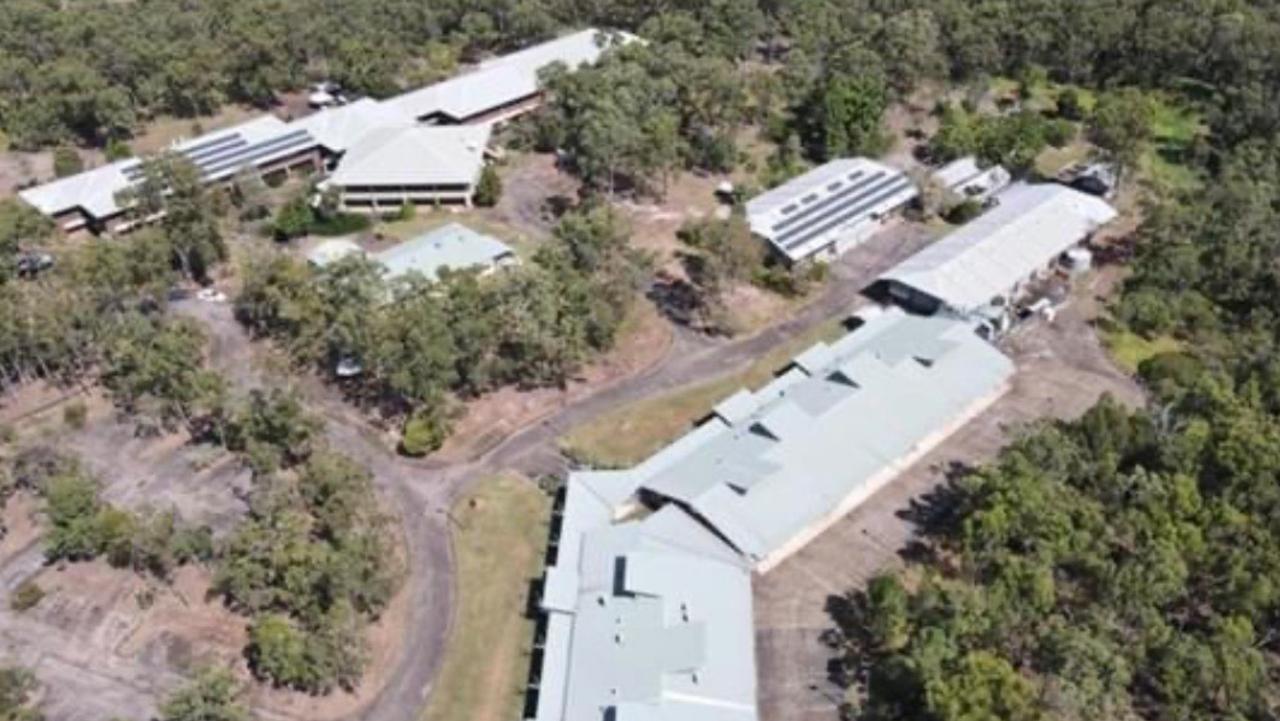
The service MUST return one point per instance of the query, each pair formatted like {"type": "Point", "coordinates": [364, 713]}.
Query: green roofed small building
{"type": "Point", "coordinates": [453, 246]}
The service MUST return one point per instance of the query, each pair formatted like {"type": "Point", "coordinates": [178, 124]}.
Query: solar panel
{"type": "Point", "coordinates": [288, 143]}
{"type": "Point", "coordinates": [197, 153]}
{"type": "Point", "coordinates": [206, 144]}
{"type": "Point", "coordinates": [803, 236]}
{"type": "Point", "coordinates": [206, 155]}
{"type": "Point", "coordinates": [831, 200]}
{"type": "Point", "coordinates": [854, 200]}
{"type": "Point", "coordinates": [886, 190]}
{"type": "Point", "coordinates": [283, 145]}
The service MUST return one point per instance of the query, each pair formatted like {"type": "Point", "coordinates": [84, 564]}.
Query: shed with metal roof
{"type": "Point", "coordinates": [985, 262]}
{"type": "Point", "coordinates": [829, 209]}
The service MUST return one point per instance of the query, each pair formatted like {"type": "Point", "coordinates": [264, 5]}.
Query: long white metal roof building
{"type": "Point", "coordinates": [987, 258]}
{"type": "Point", "coordinates": [812, 211]}
{"type": "Point", "coordinates": [647, 620]}
{"type": "Point", "coordinates": [506, 79]}
{"type": "Point", "coordinates": [772, 468]}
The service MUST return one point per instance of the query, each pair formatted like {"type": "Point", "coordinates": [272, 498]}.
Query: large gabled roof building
{"type": "Point", "coordinates": [505, 86]}
{"type": "Point", "coordinates": [646, 620]}
{"type": "Point", "coordinates": [985, 263]}
{"type": "Point", "coordinates": [647, 602]}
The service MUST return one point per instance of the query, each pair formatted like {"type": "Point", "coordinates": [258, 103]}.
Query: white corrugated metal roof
{"type": "Point", "coordinates": [647, 619]}
{"type": "Point", "coordinates": [504, 79]}
{"type": "Point", "coordinates": [219, 155]}
{"type": "Point", "coordinates": [986, 258]}
{"type": "Point", "coordinates": [414, 155]}
{"type": "Point", "coordinates": [339, 128]}
{"type": "Point", "coordinates": [808, 212]}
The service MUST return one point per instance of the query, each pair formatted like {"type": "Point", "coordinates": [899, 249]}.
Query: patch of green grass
{"type": "Point", "coordinates": [1174, 130]}
{"type": "Point", "coordinates": [499, 535]}
{"type": "Point", "coordinates": [1053, 161]}
{"type": "Point", "coordinates": [628, 435]}
{"type": "Point", "coordinates": [1129, 349]}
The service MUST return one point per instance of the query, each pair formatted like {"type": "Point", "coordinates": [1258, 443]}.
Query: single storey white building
{"type": "Point", "coordinates": [392, 166]}
{"type": "Point", "coordinates": [965, 179]}
{"type": "Point", "coordinates": [826, 211]}
{"type": "Point", "coordinates": [985, 265]}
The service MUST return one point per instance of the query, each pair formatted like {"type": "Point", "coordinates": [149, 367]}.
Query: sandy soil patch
{"type": "Point", "coordinates": [19, 521]}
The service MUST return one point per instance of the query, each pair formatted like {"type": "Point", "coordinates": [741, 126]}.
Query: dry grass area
{"type": "Point", "coordinates": [163, 131]}
{"type": "Point", "coordinates": [630, 434]}
{"type": "Point", "coordinates": [643, 341]}
{"type": "Point", "coordinates": [18, 169]}
{"type": "Point", "coordinates": [500, 531]}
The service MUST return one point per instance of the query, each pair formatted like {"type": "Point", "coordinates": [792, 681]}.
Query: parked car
{"type": "Point", "coordinates": [30, 265]}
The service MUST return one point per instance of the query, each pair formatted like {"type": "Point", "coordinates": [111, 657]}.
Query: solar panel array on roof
{"type": "Point", "coordinates": [227, 154]}
{"type": "Point", "coordinates": [839, 208]}
{"type": "Point", "coordinates": [812, 211]}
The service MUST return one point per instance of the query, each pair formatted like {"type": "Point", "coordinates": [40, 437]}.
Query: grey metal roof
{"type": "Point", "coordinates": [218, 155]}
{"type": "Point", "coordinates": [769, 466]}
{"type": "Point", "coordinates": [414, 155]}
{"type": "Point", "coordinates": [451, 246]}
{"type": "Point", "coordinates": [986, 258]}
{"type": "Point", "coordinates": [646, 619]}
{"type": "Point", "coordinates": [504, 79]}
{"type": "Point", "coordinates": [809, 211]}
{"type": "Point", "coordinates": [338, 128]}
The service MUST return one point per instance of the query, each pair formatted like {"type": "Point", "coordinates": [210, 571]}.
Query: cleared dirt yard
{"type": "Point", "coordinates": [1062, 370]}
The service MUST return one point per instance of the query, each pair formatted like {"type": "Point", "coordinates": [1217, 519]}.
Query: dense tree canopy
{"type": "Point", "coordinates": [416, 341]}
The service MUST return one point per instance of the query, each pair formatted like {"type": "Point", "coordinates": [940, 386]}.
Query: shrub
{"type": "Point", "coordinates": [75, 414]}
{"type": "Point", "coordinates": [26, 596]}
{"type": "Point", "coordinates": [1059, 133]}
{"type": "Point", "coordinates": [964, 212]}
{"type": "Point", "coordinates": [117, 149]}
{"type": "Point", "coordinates": [424, 432]}
{"type": "Point", "coordinates": [407, 212]}
{"type": "Point", "coordinates": [340, 224]}
{"type": "Point", "coordinates": [66, 161]}
{"type": "Point", "coordinates": [294, 219]}
{"type": "Point", "coordinates": [489, 188]}
{"type": "Point", "coordinates": [1070, 106]}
